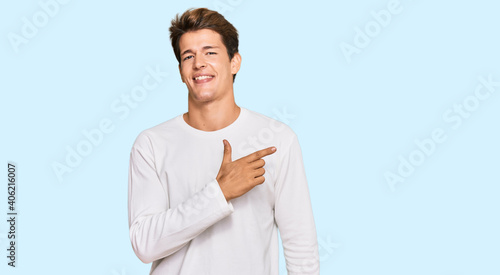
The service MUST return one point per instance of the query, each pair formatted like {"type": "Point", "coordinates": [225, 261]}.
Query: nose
{"type": "Point", "coordinates": [199, 62]}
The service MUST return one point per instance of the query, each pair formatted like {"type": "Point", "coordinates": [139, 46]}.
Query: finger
{"type": "Point", "coordinates": [226, 158]}
{"type": "Point", "coordinates": [259, 172]}
{"type": "Point", "coordinates": [257, 163]}
{"type": "Point", "coordinates": [260, 154]}
{"type": "Point", "coordinates": [259, 180]}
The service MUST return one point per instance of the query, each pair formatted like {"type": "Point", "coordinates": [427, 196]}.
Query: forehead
{"type": "Point", "coordinates": [193, 40]}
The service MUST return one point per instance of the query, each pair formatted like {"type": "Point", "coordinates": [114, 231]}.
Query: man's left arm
{"type": "Point", "coordinates": [293, 213]}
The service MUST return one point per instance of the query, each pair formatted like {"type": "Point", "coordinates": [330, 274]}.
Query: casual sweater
{"type": "Point", "coordinates": [180, 220]}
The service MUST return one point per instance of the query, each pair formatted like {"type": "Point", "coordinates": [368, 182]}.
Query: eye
{"type": "Point", "coordinates": [210, 53]}
{"type": "Point", "coordinates": [187, 57]}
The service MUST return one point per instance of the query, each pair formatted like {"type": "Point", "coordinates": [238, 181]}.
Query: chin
{"type": "Point", "coordinates": [204, 96]}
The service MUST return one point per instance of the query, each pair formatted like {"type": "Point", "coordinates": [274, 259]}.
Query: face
{"type": "Point", "coordinates": [205, 67]}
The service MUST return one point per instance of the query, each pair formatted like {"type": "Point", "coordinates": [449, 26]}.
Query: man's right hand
{"type": "Point", "coordinates": [237, 177]}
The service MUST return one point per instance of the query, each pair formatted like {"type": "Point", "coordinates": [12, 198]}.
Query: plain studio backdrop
{"type": "Point", "coordinates": [395, 103]}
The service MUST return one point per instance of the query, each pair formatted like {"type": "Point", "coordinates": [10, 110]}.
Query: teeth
{"type": "Point", "coordinates": [203, 77]}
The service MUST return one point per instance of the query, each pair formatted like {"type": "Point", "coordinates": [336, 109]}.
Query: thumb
{"type": "Point", "coordinates": [227, 152]}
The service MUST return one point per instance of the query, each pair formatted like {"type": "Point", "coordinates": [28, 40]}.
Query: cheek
{"type": "Point", "coordinates": [184, 75]}
{"type": "Point", "coordinates": [223, 69]}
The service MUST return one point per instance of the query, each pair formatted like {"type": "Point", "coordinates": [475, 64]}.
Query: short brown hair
{"type": "Point", "coordinates": [202, 18]}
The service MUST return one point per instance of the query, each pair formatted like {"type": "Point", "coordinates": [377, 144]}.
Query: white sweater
{"type": "Point", "coordinates": [180, 220]}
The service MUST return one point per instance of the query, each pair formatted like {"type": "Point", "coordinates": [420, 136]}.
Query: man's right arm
{"type": "Point", "coordinates": [157, 231]}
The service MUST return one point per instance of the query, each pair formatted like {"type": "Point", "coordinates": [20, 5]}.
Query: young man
{"type": "Point", "coordinates": [198, 199]}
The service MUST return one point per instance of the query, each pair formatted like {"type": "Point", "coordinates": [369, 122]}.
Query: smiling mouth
{"type": "Point", "coordinates": [203, 77]}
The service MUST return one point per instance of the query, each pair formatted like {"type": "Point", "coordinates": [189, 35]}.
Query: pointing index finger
{"type": "Point", "coordinates": [260, 154]}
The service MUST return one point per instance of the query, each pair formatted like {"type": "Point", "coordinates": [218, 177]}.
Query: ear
{"type": "Point", "coordinates": [235, 63]}
{"type": "Point", "coordinates": [180, 73]}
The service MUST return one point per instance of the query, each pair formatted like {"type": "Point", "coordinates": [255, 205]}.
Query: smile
{"type": "Point", "coordinates": [201, 77]}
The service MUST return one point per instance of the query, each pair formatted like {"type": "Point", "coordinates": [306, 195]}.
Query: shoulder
{"type": "Point", "coordinates": [157, 133]}
{"type": "Point", "coordinates": [266, 127]}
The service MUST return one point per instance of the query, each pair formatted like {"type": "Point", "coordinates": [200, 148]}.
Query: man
{"type": "Point", "coordinates": [198, 199]}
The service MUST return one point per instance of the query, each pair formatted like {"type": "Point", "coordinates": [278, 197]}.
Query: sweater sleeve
{"type": "Point", "coordinates": [293, 214]}
{"type": "Point", "coordinates": [156, 230]}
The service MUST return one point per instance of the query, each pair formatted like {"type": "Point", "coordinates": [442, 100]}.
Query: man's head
{"type": "Point", "coordinates": [198, 19]}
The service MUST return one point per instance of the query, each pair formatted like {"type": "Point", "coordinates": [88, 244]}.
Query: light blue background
{"type": "Point", "coordinates": [353, 119]}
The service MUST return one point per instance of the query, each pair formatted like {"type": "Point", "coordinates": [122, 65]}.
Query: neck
{"type": "Point", "coordinates": [211, 116]}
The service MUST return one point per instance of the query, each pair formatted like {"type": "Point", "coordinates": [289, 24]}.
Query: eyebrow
{"type": "Point", "coordinates": [204, 48]}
